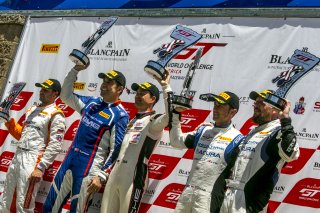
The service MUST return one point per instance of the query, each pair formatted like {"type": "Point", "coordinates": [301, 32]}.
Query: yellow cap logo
{"type": "Point", "coordinates": [224, 95]}
{"type": "Point", "coordinates": [48, 82]}
{"type": "Point", "coordinates": [145, 85]}
{"type": "Point", "coordinates": [49, 48]}
{"type": "Point", "coordinates": [112, 73]}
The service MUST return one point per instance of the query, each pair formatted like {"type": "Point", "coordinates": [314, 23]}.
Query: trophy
{"type": "Point", "coordinates": [302, 62]}
{"type": "Point", "coordinates": [80, 57]}
{"type": "Point", "coordinates": [8, 101]}
{"type": "Point", "coordinates": [185, 98]}
{"type": "Point", "coordinates": [183, 38]}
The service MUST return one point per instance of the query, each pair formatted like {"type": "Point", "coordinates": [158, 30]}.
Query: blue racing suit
{"type": "Point", "coordinates": [96, 144]}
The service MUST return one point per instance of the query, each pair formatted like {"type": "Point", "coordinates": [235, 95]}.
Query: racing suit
{"type": "Point", "coordinates": [129, 177]}
{"type": "Point", "coordinates": [256, 170]}
{"type": "Point", "coordinates": [96, 143]}
{"type": "Point", "coordinates": [212, 148]}
{"type": "Point", "coordinates": [40, 140]}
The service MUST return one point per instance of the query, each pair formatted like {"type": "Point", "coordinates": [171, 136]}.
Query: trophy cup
{"type": "Point", "coordinates": [183, 38]}
{"type": "Point", "coordinates": [8, 101]}
{"type": "Point", "coordinates": [302, 62]}
{"type": "Point", "coordinates": [185, 98]}
{"type": "Point", "coordinates": [80, 57]}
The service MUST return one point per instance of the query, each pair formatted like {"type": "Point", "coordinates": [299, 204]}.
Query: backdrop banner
{"type": "Point", "coordinates": [239, 55]}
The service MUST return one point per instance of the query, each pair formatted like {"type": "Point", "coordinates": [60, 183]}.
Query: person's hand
{"type": "Point", "coordinates": [165, 80]}
{"type": "Point", "coordinates": [81, 67]}
{"type": "Point", "coordinates": [285, 112]}
{"type": "Point", "coordinates": [36, 176]}
{"type": "Point", "coordinates": [180, 109]}
{"type": "Point", "coordinates": [94, 185]}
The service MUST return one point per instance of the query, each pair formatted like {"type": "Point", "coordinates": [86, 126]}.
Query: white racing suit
{"type": "Point", "coordinates": [212, 147]}
{"type": "Point", "coordinates": [257, 168]}
{"type": "Point", "coordinates": [129, 176]}
{"type": "Point", "coordinates": [40, 140]}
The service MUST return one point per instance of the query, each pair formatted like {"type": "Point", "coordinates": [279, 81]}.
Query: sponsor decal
{"type": "Point", "coordinates": [184, 173]}
{"type": "Point", "coordinates": [79, 85]}
{"type": "Point", "coordinates": [295, 166]}
{"type": "Point", "coordinates": [5, 160]}
{"type": "Point", "coordinates": [110, 53]}
{"type": "Point", "coordinates": [103, 114]}
{"type": "Point", "coordinates": [299, 106]}
{"type": "Point", "coordinates": [316, 166]}
{"type": "Point", "coordinates": [92, 87]}
{"type": "Point", "coordinates": [244, 100]}
{"type": "Point", "coordinates": [21, 101]}
{"type": "Point", "coordinates": [67, 111]}
{"type": "Point", "coordinates": [279, 189]}
{"type": "Point", "coordinates": [49, 48]}
{"type": "Point", "coordinates": [161, 166]}
{"type": "Point", "coordinates": [224, 138]}
{"type": "Point", "coordinates": [169, 196]}
{"type": "Point", "coordinates": [305, 193]}
{"type": "Point", "coordinates": [71, 132]}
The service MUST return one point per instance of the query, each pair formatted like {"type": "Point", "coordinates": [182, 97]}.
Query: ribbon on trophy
{"type": "Point", "coordinates": [303, 62]}
{"type": "Point", "coordinates": [80, 57]}
{"type": "Point", "coordinates": [183, 38]}
{"type": "Point", "coordinates": [185, 98]}
{"type": "Point", "coordinates": [8, 101]}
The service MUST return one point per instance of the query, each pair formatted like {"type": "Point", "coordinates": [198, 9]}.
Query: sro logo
{"type": "Point", "coordinates": [5, 162]}
{"type": "Point", "coordinates": [173, 196]}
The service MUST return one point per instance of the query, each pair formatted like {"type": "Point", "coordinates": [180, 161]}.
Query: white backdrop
{"type": "Point", "coordinates": [240, 55]}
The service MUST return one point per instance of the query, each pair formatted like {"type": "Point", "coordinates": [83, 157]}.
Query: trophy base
{"type": "Point", "coordinates": [181, 101]}
{"type": "Point", "coordinates": [78, 57]}
{"type": "Point", "coordinates": [154, 69]}
{"type": "Point", "coordinates": [275, 101]}
{"type": "Point", "coordinates": [4, 117]}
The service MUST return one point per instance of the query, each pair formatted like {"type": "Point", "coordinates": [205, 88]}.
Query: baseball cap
{"type": "Point", "coordinates": [114, 75]}
{"type": "Point", "coordinates": [50, 84]}
{"type": "Point", "coordinates": [254, 95]}
{"type": "Point", "coordinates": [227, 98]}
{"type": "Point", "coordinates": [147, 86]}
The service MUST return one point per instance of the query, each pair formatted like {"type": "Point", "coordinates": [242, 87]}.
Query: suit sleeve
{"type": "Point", "coordinates": [73, 100]}
{"type": "Point", "coordinates": [159, 123]}
{"type": "Point", "coordinates": [117, 135]}
{"type": "Point", "coordinates": [288, 146]}
{"type": "Point", "coordinates": [54, 144]}
{"type": "Point", "coordinates": [14, 128]}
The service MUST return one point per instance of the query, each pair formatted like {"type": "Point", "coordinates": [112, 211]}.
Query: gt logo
{"type": "Point", "coordinates": [173, 196]}
{"type": "Point", "coordinates": [155, 166]}
{"type": "Point", "coordinates": [309, 192]}
{"type": "Point", "coordinates": [185, 120]}
{"type": "Point", "coordinates": [302, 58]}
{"type": "Point", "coordinates": [190, 51]}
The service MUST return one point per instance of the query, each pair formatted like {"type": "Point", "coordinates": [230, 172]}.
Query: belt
{"type": "Point", "coordinates": [196, 187]}
{"type": "Point", "coordinates": [80, 151]}
{"type": "Point", "coordinates": [24, 149]}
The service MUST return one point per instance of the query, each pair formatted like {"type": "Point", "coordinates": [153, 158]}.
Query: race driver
{"type": "Point", "coordinates": [128, 179]}
{"type": "Point", "coordinates": [96, 143]}
{"type": "Point", "coordinates": [40, 139]}
{"type": "Point", "coordinates": [261, 156]}
{"type": "Point", "coordinates": [212, 147]}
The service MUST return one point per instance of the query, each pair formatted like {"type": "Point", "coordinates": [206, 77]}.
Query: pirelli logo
{"type": "Point", "coordinates": [79, 85]}
{"type": "Point", "coordinates": [225, 138]}
{"type": "Point", "coordinates": [105, 115]}
{"type": "Point", "coordinates": [49, 48]}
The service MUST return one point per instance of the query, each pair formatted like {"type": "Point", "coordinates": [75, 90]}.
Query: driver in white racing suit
{"type": "Point", "coordinates": [260, 158]}
{"type": "Point", "coordinates": [212, 147]}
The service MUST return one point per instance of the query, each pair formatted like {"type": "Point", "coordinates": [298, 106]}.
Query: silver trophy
{"type": "Point", "coordinates": [80, 57]}
{"type": "Point", "coordinates": [8, 101]}
{"type": "Point", "coordinates": [183, 38]}
{"type": "Point", "coordinates": [185, 98]}
{"type": "Point", "coordinates": [302, 62]}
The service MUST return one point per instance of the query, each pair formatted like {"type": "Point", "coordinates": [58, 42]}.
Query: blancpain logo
{"type": "Point", "coordinates": [183, 172]}
{"type": "Point", "coordinates": [107, 52]}
{"type": "Point", "coordinates": [316, 166]}
{"type": "Point", "coordinates": [279, 189]}
{"type": "Point", "coordinates": [303, 134]}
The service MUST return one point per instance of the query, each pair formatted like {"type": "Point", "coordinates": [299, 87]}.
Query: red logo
{"type": "Point", "coordinates": [161, 166]}
{"type": "Point", "coordinates": [191, 119]}
{"type": "Point", "coordinates": [317, 105]}
{"type": "Point", "coordinates": [272, 206]}
{"type": "Point", "coordinates": [71, 132]}
{"type": "Point", "coordinates": [305, 193]}
{"type": "Point", "coordinates": [51, 171]}
{"type": "Point", "coordinates": [130, 108]}
{"type": "Point", "coordinates": [68, 111]}
{"type": "Point", "coordinates": [248, 126]}
{"type": "Point", "coordinates": [296, 165]}
{"type": "Point", "coordinates": [6, 158]}
{"type": "Point", "coordinates": [21, 101]}
{"type": "Point", "coordinates": [170, 195]}
{"type": "Point", "coordinates": [190, 51]}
